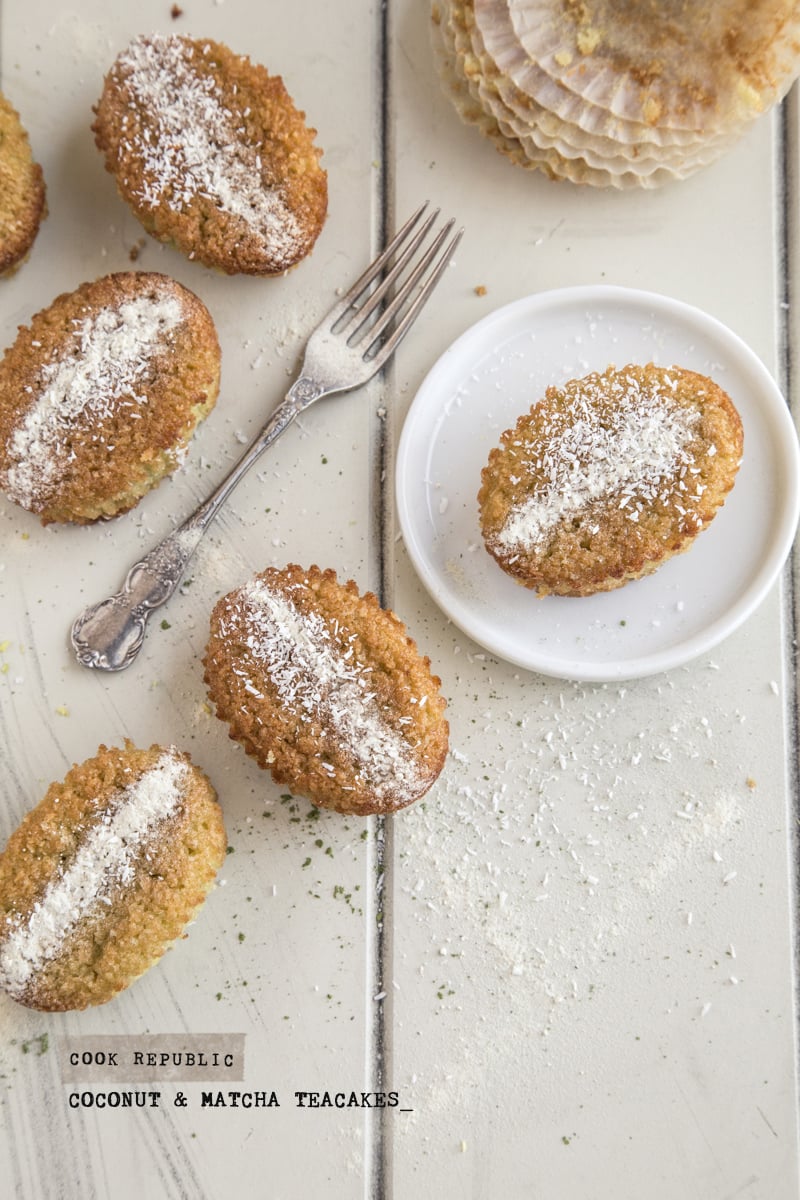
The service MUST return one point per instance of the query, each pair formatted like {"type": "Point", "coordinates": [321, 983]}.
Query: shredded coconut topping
{"type": "Point", "coordinates": [632, 450]}
{"type": "Point", "coordinates": [103, 364]}
{"type": "Point", "coordinates": [191, 144]}
{"type": "Point", "coordinates": [314, 678]}
{"type": "Point", "coordinates": [103, 861]}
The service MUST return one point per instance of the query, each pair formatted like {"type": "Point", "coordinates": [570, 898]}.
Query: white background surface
{"type": "Point", "coordinates": [576, 1004]}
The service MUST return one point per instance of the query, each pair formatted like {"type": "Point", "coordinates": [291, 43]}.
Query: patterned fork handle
{"type": "Point", "coordinates": [108, 635]}
{"type": "Point", "coordinates": [349, 346]}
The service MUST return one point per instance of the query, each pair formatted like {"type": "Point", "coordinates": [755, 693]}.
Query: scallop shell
{"type": "Point", "coordinates": [454, 82]}
{"type": "Point", "coordinates": [675, 64]}
{"type": "Point", "coordinates": [635, 145]}
{"type": "Point", "coordinates": [470, 94]}
{"type": "Point", "coordinates": [615, 93]}
{"type": "Point", "coordinates": [569, 151]}
{"type": "Point", "coordinates": [523, 141]}
{"type": "Point", "coordinates": [611, 163]}
{"type": "Point", "coordinates": [555, 93]}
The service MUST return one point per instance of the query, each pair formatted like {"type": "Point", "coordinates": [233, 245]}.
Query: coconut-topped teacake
{"type": "Point", "coordinates": [326, 690]}
{"type": "Point", "coordinates": [211, 154]}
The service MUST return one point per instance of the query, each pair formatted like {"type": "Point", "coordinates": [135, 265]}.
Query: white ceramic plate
{"type": "Point", "coordinates": [491, 375]}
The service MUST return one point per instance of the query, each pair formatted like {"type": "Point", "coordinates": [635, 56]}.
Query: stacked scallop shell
{"type": "Point", "coordinates": [615, 93]}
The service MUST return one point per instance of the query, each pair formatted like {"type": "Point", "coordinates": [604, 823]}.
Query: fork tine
{"type": "Point", "coordinates": [388, 347]}
{"type": "Point", "coordinates": [361, 314]}
{"type": "Point", "coordinates": [375, 267]}
{"type": "Point", "coordinates": [398, 300]}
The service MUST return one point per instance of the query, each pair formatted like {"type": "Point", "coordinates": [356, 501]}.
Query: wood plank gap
{"type": "Point", "coordinates": [787, 200]}
{"type": "Point", "coordinates": [379, 909]}
{"type": "Point", "coordinates": [788, 206]}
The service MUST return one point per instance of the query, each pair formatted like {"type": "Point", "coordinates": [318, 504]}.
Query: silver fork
{"type": "Point", "coordinates": [347, 348]}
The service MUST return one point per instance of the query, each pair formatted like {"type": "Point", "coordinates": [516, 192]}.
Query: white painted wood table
{"type": "Point", "coordinates": [574, 961]}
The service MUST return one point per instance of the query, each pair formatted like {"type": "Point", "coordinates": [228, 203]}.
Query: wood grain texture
{"type": "Point", "coordinates": [592, 920]}
{"type": "Point", "coordinates": [574, 961]}
{"type": "Point", "coordinates": [284, 956]}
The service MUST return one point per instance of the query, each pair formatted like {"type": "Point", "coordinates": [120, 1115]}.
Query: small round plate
{"type": "Point", "coordinates": [491, 375]}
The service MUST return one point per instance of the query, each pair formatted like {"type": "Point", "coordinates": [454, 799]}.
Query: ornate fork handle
{"type": "Point", "coordinates": [108, 635]}
{"type": "Point", "coordinates": [352, 342]}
